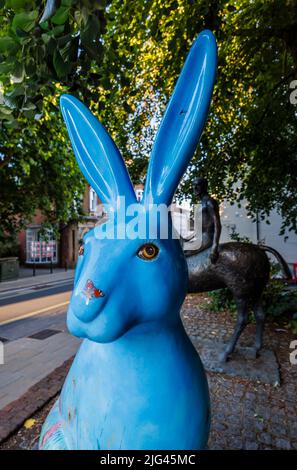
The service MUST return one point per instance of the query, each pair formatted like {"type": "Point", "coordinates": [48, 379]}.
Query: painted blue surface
{"type": "Point", "coordinates": [136, 382]}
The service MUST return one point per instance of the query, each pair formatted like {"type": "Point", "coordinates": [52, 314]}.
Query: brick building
{"type": "Point", "coordinates": [60, 251]}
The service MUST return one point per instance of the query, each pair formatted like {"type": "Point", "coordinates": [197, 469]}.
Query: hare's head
{"type": "Point", "coordinates": [132, 269]}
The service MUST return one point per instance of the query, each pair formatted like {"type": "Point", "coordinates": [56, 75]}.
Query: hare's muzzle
{"type": "Point", "coordinates": [90, 291]}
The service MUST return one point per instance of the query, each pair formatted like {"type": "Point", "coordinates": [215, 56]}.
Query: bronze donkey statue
{"type": "Point", "coordinates": [243, 268]}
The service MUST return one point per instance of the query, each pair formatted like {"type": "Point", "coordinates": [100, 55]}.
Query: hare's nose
{"type": "Point", "coordinates": [98, 293]}
{"type": "Point", "coordinates": [90, 290]}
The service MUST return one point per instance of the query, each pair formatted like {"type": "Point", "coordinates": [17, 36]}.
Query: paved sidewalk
{"type": "Point", "coordinates": [28, 360]}
{"type": "Point", "coordinates": [42, 278]}
{"type": "Point", "coordinates": [13, 415]}
{"type": "Point", "coordinates": [27, 271]}
{"type": "Point", "coordinates": [34, 349]}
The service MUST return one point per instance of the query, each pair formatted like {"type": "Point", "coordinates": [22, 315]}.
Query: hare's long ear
{"type": "Point", "coordinates": [182, 124]}
{"type": "Point", "coordinates": [97, 155]}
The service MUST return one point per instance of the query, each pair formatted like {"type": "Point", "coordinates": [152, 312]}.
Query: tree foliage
{"type": "Point", "coordinates": [39, 60]}
{"type": "Point", "coordinates": [122, 58]}
{"type": "Point", "coordinates": [35, 54]}
{"type": "Point", "coordinates": [248, 149]}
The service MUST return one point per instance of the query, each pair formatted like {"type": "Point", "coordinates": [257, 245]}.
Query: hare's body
{"type": "Point", "coordinates": [137, 382]}
{"type": "Point", "coordinates": [155, 397]}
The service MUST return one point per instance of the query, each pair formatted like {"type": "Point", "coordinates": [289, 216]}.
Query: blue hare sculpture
{"type": "Point", "coordinates": [136, 382]}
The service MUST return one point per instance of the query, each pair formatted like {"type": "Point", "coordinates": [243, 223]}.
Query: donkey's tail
{"type": "Point", "coordinates": [283, 264]}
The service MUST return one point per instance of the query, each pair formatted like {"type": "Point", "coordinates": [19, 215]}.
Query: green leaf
{"type": "Point", "coordinates": [44, 25]}
{"type": "Point", "coordinates": [4, 116]}
{"type": "Point", "coordinates": [57, 30]}
{"type": "Point", "coordinates": [40, 53]}
{"type": "Point", "coordinates": [46, 37]}
{"type": "Point", "coordinates": [67, 3]}
{"type": "Point", "coordinates": [22, 35]}
{"type": "Point", "coordinates": [7, 44]}
{"type": "Point", "coordinates": [11, 124]}
{"type": "Point", "coordinates": [51, 46]}
{"type": "Point", "coordinates": [17, 5]}
{"type": "Point", "coordinates": [29, 114]}
{"type": "Point", "coordinates": [10, 102]}
{"type": "Point", "coordinates": [25, 20]}
{"type": "Point", "coordinates": [19, 90]}
{"type": "Point", "coordinates": [4, 110]}
{"type": "Point", "coordinates": [62, 68]}
{"type": "Point", "coordinates": [91, 31]}
{"type": "Point", "coordinates": [69, 50]}
{"type": "Point", "coordinates": [28, 106]}
{"type": "Point", "coordinates": [30, 66]}
{"type": "Point", "coordinates": [61, 15]}
{"type": "Point", "coordinates": [6, 67]}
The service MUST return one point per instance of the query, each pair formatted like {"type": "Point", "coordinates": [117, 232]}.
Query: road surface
{"type": "Point", "coordinates": [34, 339]}
{"type": "Point", "coordinates": [36, 300]}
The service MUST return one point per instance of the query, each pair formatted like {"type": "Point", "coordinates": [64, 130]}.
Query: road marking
{"type": "Point", "coordinates": [32, 314]}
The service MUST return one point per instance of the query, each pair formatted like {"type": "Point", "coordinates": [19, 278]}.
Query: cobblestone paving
{"type": "Point", "coordinates": [245, 414]}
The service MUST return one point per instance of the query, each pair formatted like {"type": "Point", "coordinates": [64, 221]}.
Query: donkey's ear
{"type": "Point", "coordinates": [97, 155]}
{"type": "Point", "coordinates": [182, 124]}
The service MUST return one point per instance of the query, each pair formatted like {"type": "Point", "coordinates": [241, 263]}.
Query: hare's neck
{"type": "Point", "coordinates": [143, 338]}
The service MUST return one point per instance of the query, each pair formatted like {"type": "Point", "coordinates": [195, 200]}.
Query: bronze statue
{"type": "Point", "coordinates": [241, 267]}
{"type": "Point", "coordinates": [211, 223]}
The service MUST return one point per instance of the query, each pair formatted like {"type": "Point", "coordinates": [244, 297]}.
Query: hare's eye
{"type": "Point", "coordinates": [81, 250]}
{"type": "Point", "coordinates": [148, 251]}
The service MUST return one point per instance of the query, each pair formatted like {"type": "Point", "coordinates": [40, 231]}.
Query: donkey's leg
{"type": "Point", "coordinates": [260, 319]}
{"type": "Point", "coordinates": [242, 319]}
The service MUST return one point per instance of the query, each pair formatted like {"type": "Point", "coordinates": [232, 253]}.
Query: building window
{"type": "Point", "coordinates": [92, 200]}
{"type": "Point", "coordinates": [40, 249]}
